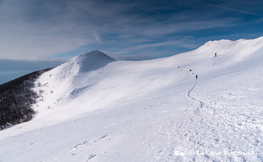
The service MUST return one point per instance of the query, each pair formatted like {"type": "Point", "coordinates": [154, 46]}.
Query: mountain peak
{"type": "Point", "coordinates": [94, 54]}
{"type": "Point", "coordinates": [85, 62]}
{"type": "Point", "coordinates": [91, 60]}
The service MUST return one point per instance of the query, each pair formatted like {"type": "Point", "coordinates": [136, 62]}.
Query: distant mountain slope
{"type": "Point", "coordinates": [61, 83]}
{"type": "Point", "coordinates": [16, 98]}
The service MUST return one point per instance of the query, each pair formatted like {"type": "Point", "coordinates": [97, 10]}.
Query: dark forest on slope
{"type": "Point", "coordinates": [16, 98]}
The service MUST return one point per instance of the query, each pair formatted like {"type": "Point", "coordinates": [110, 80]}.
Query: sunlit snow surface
{"type": "Point", "coordinates": [94, 108]}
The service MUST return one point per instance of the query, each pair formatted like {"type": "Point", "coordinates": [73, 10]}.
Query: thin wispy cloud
{"type": "Point", "coordinates": [229, 9]}
{"type": "Point", "coordinates": [47, 29]}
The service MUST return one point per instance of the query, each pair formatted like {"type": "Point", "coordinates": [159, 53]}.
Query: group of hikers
{"type": "Point", "coordinates": [196, 76]}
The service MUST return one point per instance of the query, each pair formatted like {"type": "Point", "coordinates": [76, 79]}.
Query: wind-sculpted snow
{"type": "Point", "coordinates": [155, 110]}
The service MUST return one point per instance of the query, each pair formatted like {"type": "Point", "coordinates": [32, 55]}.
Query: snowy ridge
{"type": "Point", "coordinates": [228, 52]}
{"type": "Point", "coordinates": [94, 108]}
{"type": "Point", "coordinates": [241, 47]}
{"type": "Point", "coordinates": [84, 62]}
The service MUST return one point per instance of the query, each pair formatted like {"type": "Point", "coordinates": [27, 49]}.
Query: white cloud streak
{"type": "Point", "coordinates": [229, 9]}
{"type": "Point", "coordinates": [40, 29]}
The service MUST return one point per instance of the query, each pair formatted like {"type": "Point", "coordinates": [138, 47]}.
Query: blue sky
{"type": "Point", "coordinates": [124, 29]}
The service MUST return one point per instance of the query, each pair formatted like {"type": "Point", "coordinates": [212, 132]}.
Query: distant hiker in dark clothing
{"type": "Point", "coordinates": [196, 76]}
{"type": "Point", "coordinates": [215, 54]}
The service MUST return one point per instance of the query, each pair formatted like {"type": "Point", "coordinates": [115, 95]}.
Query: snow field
{"type": "Point", "coordinates": [148, 110]}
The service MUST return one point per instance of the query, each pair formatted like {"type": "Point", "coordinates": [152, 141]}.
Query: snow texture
{"type": "Point", "coordinates": [94, 108]}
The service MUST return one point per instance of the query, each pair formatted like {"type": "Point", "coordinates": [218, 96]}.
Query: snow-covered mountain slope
{"type": "Point", "coordinates": [63, 83]}
{"type": "Point", "coordinates": [94, 108]}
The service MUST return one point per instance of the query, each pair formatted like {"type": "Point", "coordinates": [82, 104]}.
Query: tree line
{"type": "Point", "coordinates": [16, 98]}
